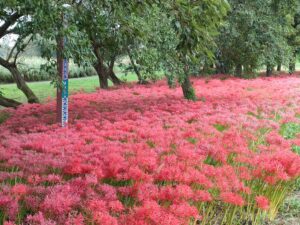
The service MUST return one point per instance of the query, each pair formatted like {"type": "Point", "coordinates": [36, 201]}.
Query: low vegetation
{"type": "Point", "coordinates": [143, 155]}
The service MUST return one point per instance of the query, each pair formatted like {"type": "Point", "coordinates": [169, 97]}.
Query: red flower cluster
{"type": "Point", "coordinates": [143, 155]}
{"type": "Point", "coordinates": [262, 202]}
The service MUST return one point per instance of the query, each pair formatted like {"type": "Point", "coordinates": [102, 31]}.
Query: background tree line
{"type": "Point", "coordinates": [179, 37]}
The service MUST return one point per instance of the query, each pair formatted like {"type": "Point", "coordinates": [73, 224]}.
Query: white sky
{"type": "Point", "coordinates": [9, 39]}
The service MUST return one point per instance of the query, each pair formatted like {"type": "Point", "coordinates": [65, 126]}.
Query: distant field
{"type": "Point", "coordinates": [44, 89]}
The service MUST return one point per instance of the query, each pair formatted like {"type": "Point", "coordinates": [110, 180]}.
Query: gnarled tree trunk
{"type": "Point", "coordinates": [18, 78]}
{"type": "Point", "coordinates": [6, 102]}
{"type": "Point", "coordinates": [111, 74]}
{"type": "Point", "coordinates": [99, 65]}
{"type": "Point", "coordinates": [102, 75]}
{"type": "Point", "coordinates": [21, 84]}
{"type": "Point", "coordinates": [105, 73]}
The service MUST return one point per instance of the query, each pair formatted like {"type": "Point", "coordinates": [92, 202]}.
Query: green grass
{"type": "Point", "coordinates": [290, 130]}
{"type": "Point", "coordinates": [221, 127]}
{"type": "Point", "coordinates": [44, 89]}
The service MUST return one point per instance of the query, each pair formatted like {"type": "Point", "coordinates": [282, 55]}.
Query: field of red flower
{"type": "Point", "coordinates": [144, 155]}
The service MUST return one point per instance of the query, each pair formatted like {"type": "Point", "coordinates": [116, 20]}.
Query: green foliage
{"type": "Point", "coordinates": [211, 161]}
{"type": "Point", "coordinates": [156, 41]}
{"type": "Point", "coordinates": [255, 34]}
{"type": "Point", "coordinates": [195, 25]}
{"type": "Point", "coordinates": [290, 130]}
{"type": "Point", "coordinates": [117, 183]}
{"type": "Point", "coordinates": [296, 149]}
{"type": "Point", "coordinates": [151, 144]}
{"type": "Point", "coordinates": [160, 36]}
{"type": "Point", "coordinates": [3, 217]}
{"type": "Point", "coordinates": [221, 127]}
{"type": "Point", "coordinates": [192, 140]}
{"type": "Point", "coordinates": [190, 94]}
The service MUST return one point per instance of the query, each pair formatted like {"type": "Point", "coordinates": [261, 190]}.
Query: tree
{"type": "Point", "coordinates": [255, 35]}
{"type": "Point", "coordinates": [151, 43]}
{"type": "Point", "coordinates": [15, 17]}
{"type": "Point", "coordinates": [195, 24]}
{"type": "Point", "coordinates": [103, 24]}
{"type": "Point", "coordinates": [6, 102]}
{"type": "Point", "coordinates": [294, 38]}
{"type": "Point", "coordinates": [111, 29]}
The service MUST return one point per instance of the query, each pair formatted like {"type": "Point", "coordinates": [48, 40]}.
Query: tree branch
{"type": "Point", "coordinates": [4, 63]}
{"type": "Point", "coordinates": [22, 49]}
{"type": "Point", "coordinates": [12, 51]}
{"type": "Point", "coordinates": [10, 21]}
{"type": "Point", "coordinates": [6, 102]}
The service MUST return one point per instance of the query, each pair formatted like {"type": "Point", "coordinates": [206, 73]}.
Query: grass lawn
{"type": "Point", "coordinates": [44, 89]}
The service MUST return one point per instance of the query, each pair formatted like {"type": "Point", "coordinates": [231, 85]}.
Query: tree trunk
{"type": "Point", "coordinates": [292, 64]}
{"type": "Point", "coordinates": [102, 75]}
{"type": "Point", "coordinates": [111, 74]}
{"type": "Point", "coordinates": [187, 89]}
{"type": "Point", "coordinates": [222, 68]}
{"type": "Point", "coordinates": [136, 70]}
{"type": "Point", "coordinates": [269, 71]}
{"type": "Point", "coordinates": [279, 67]}
{"type": "Point", "coordinates": [21, 84]}
{"type": "Point", "coordinates": [239, 70]}
{"type": "Point", "coordinates": [18, 78]}
{"type": "Point", "coordinates": [292, 67]}
{"type": "Point", "coordinates": [6, 102]}
{"type": "Point", "coordinates": [114, 78]}
{"type": "Point", "coordinates": [99, 65]}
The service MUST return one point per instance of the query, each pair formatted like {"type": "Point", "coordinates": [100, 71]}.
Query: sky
{"type": "Point", "coordinates": [9, 39]}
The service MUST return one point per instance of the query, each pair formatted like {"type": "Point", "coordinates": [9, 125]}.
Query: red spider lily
{"type": "Point", "coordinates": [151, 158]}
{"type": "Point", "coordinates": [262, 202]}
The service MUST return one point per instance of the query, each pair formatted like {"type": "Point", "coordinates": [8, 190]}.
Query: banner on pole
{"type": "Point", "coordinates": [65, 94]}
